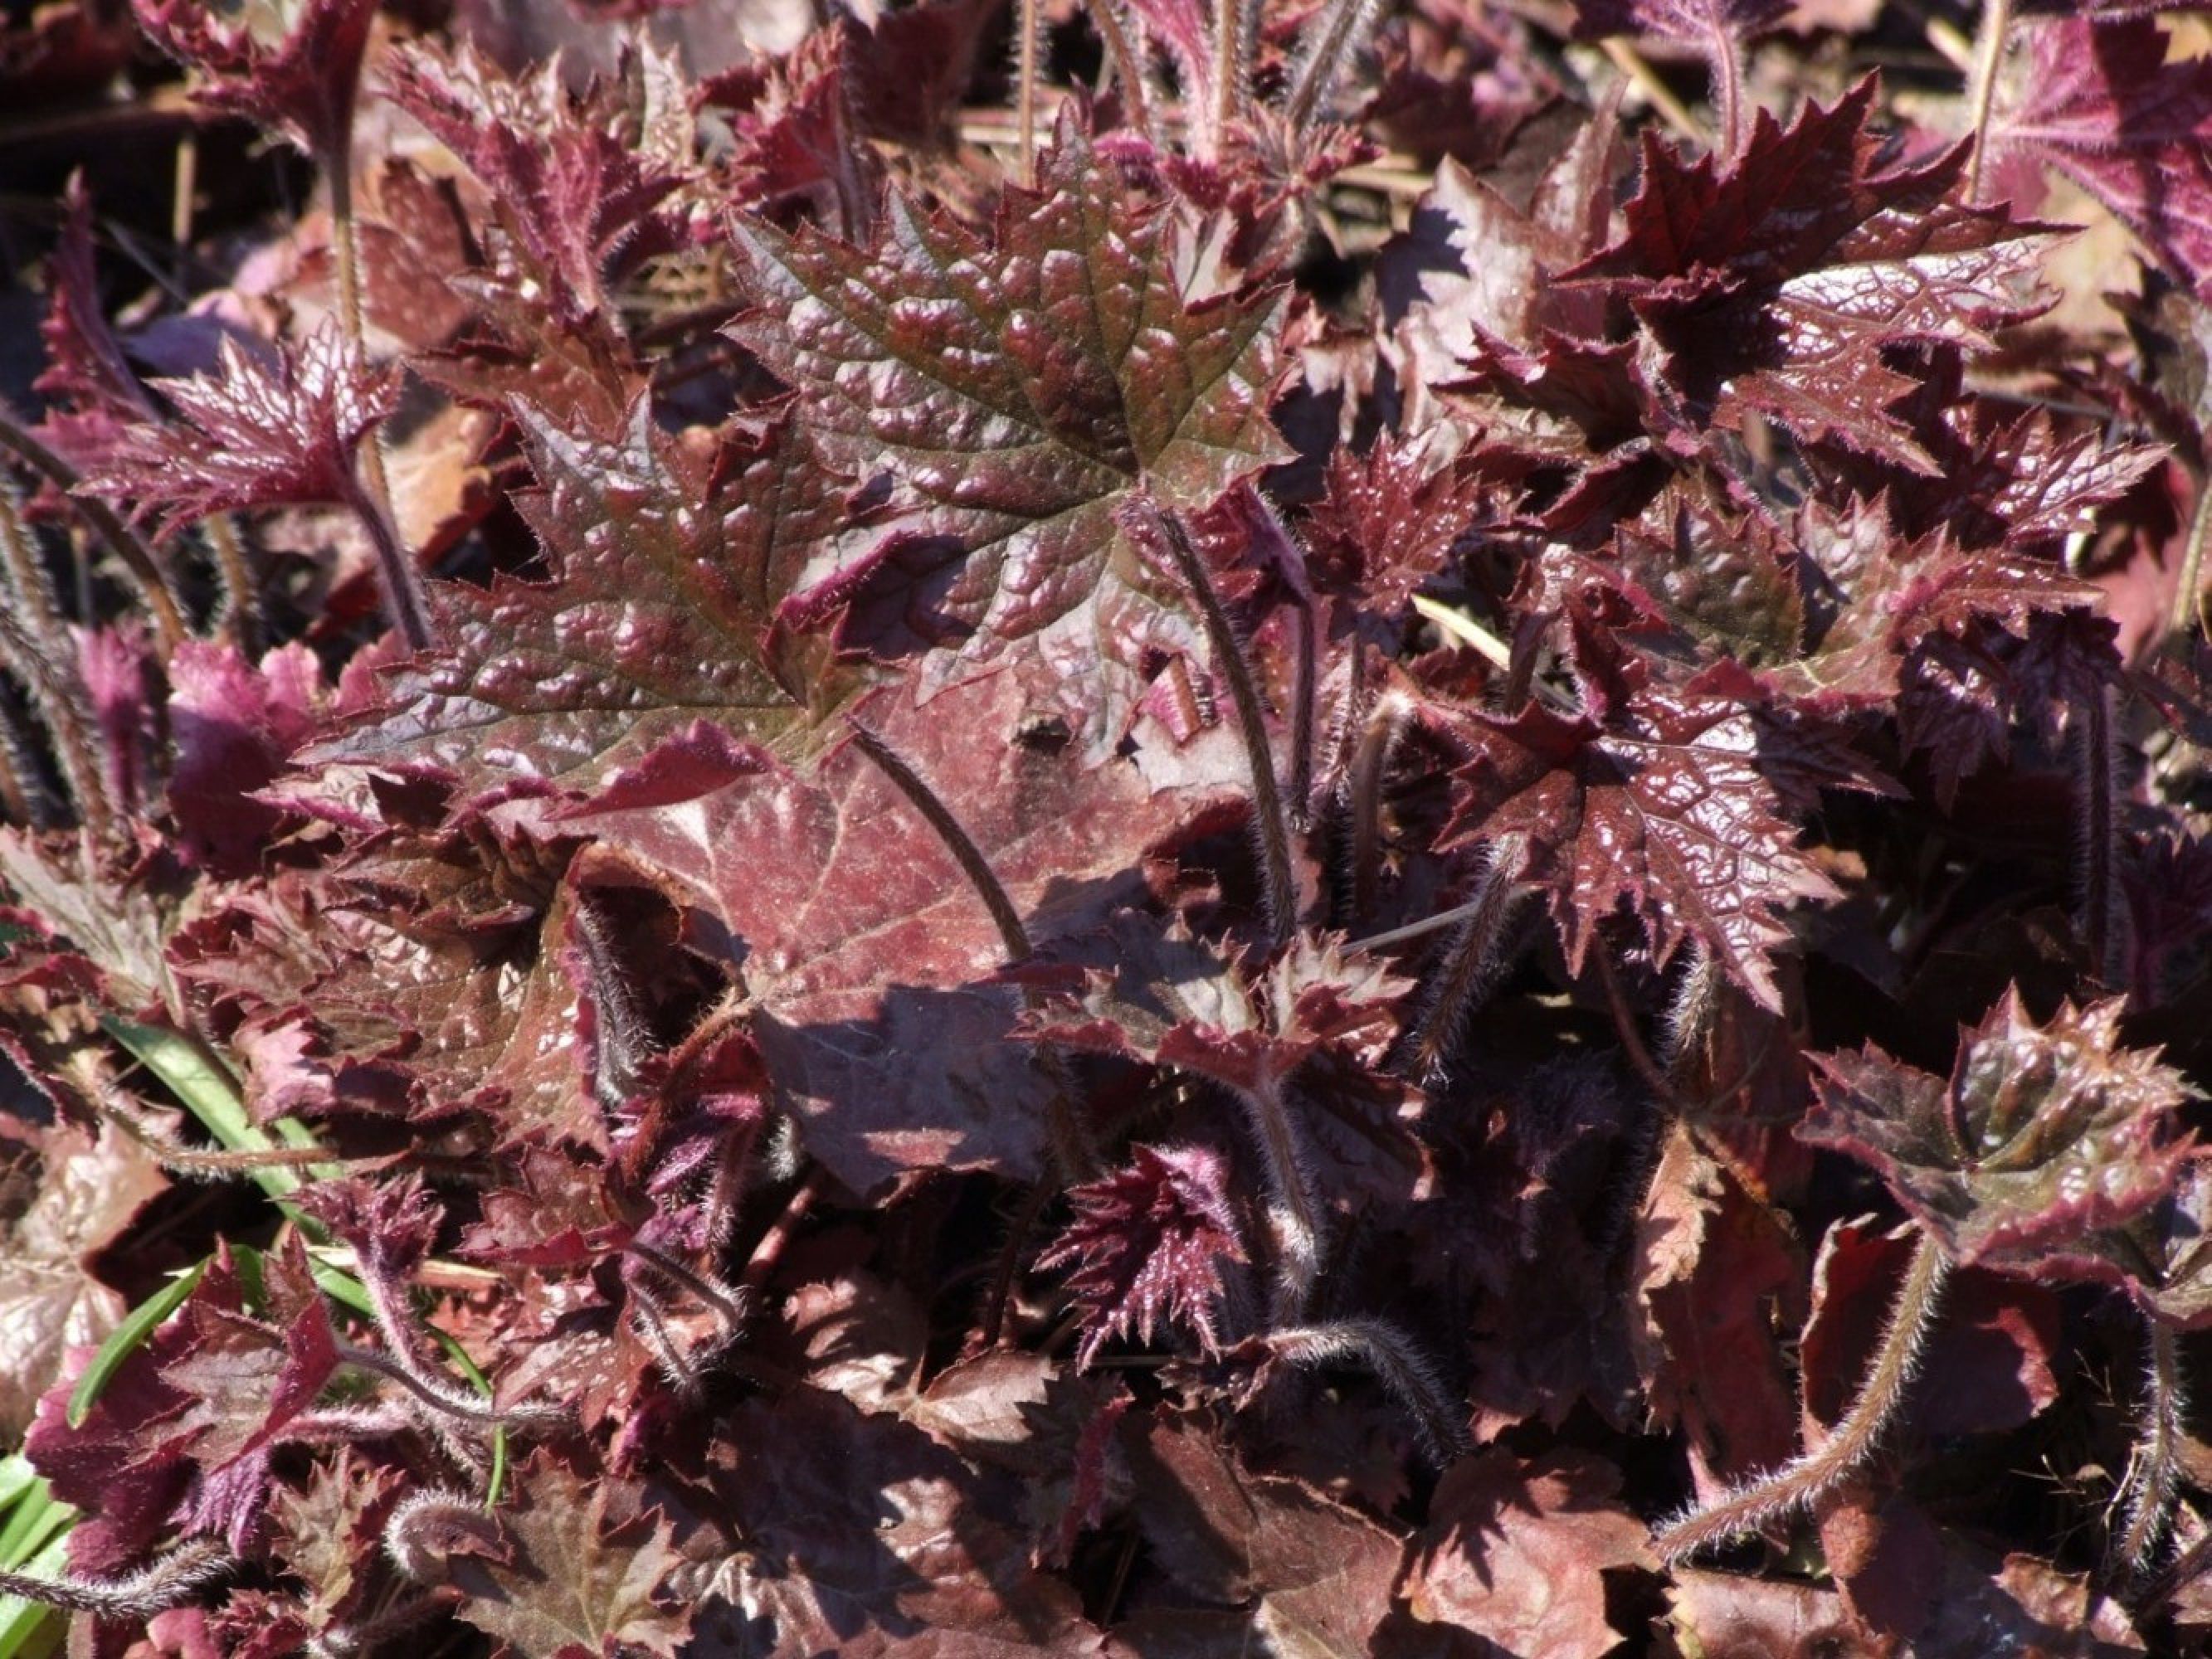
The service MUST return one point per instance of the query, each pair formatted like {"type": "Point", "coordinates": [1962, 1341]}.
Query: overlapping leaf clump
{"type": "Point", "coordinates": [1312, 857]}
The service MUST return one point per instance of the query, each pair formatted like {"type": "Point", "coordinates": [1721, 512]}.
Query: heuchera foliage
{"type": "Point", "coordinates": [1114, 828]}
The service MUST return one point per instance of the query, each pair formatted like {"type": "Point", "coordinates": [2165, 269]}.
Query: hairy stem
{"type": "Point", "coordinates": [372, 502]}
{"type": "Point", "coordinates": [2099, 833]}
{"type": "Point", "coordinates": [1327, 46]}
{"type": "Point", "coordinates": [1231, 64]}
{"type": "Point", "coordinates": [162, 1583]}
{"type": "Point", "coordinates": [1728, 104]}
{"type": "Point", "coordinates": [1362, 790]}
{"type": "Point", "coordinates": [1390, 1353]}
{"type": "Point", "coordinates": [1295, 1211]}
{"type": "Point", "coordinates": [1474, 963]}
{"type": "Point", "coordinates": [2155, 1473]}
{"type": "Point", "coordinates": [1070, 1141]}
{"type": "Point", "coordinates": [1128, 71]}
{"type": "Point", "coordinates": [136, 558]}
{"type": "Point", "coordinates": [21, 797]}
{"type": "Point", "coordinates": [1989, 62]}
{"type": "Point", "coordinates": [36, 644]}
{"type": "Point", "coordinates": [953, 834]}
{"type": "Point", "coordinates": [402, 587]}
{"type": "Point", "coordinates": [1805, 1481]}
{"type": "Point", "coordinates": [1303, 695]}
{"type": "Point", "coordinates": [1032, 26]}
{"type": "Point", "coordinates": [449, 1401]}
{"type": "Point", "coordinates": [729, 1304]}
{"type": "Point", "coordinates": [1696, 1003]}
{"type": "Point", "coordinates": [1279, 889]}
{"type": "Point", "coordinates": [241, 613]}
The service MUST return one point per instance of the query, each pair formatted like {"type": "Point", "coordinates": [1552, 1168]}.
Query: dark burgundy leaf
{"type": "Point", "coordinates": [670, 555]}
{"type": "Point", "coordinates": [2106, 102]}
{"type": "Point", "coordinates": [275, 427]}
{"type": "Point", "coordinates": [1675, 808]}
{"type": "Point", "coordinates": [304, 85]}
{"type": "Point", "coordinates": [1145, 1245]}
{"type": "Point", "coordinates": [2042, 1134]}
{"type": "Point", "coordinates": [1020, 388]}
{"type": "Point", "coordinates": [1515, 1555]}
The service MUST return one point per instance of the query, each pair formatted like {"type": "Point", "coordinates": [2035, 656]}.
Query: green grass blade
{"type": "Point", "coordinates": [210, 1095]}
{"type": "Point", "coordinates": [16, 1478]}
{"type": "Point", "coordinates": [32, 1630]}
{"type": "Point", "coordinates": [125, 1341]}
{"type": "Point", "coordinates": [34, 1523]}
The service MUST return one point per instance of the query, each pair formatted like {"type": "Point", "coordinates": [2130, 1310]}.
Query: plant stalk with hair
{"type": "Point", "coordinates": [1801, 1484]}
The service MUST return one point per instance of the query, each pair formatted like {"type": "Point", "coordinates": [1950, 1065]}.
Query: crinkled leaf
{"type": "Point", "coordinates": [669, 555]}
{"type": "Point", "coordinates": [1675, 809]}
{"type": "Point", "coordinates": [587, 1573]}
{"type": "Point", "coordinates": [1318, 1576]}
{"type": "Point", "coordinates": [2042, 1133]}
{"type": "Point", "coordinates": [1145, 1243]}
{"type": "Point", "coordinates": [88, 1190]}
{"type": "Point", "coordinates": [1710, 1263]}
{"type": "Point", "coordinates": [2107, 103]}
{"type": "Point", "coordinates": [864, 1537]}
{"type": "Point", "coordinates": [303, 84]}
{"type": "Point", "coordinates": [1515, 1554]}
{"type": "Point", "coordinates": [1020, 387]}
{"type": "Point", "coordinates": [578, 182]}
{"type": "Point", "coordinates": [869, 956]}
{"type": "Point", "coordinates": [1777, 284]}
{"type": "Point", "coordinates": [275, 427]}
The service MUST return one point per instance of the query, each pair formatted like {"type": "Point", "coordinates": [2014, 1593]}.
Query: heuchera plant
{"type": "Point", "coordinates": [1108, 827]}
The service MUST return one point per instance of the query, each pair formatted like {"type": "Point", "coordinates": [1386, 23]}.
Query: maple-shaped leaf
{"type": "Point", "coordinates": [865, 1538]}
{"type": "Point", "coordinates": [249, 1376]}
{"type": "Point", "coordinates": [1312, 1576]}
{"type": "Point", "coordinates": [669, 555]}
{"type": "Point", "coordinates": [1145, 1244]}
{"type": "Point", "coordinates": [872, 961]}
{"type": "Point", "coordinates": [2109, 105]}
{"type": "Point", "coordinates": [1515, 1554]}
{"type": "Point", "coordinates": [1778, 282]}
{"type": "Point", "coordinates": [588, 1571]}
{"type": "Point", "coordinates": [303, 85]}
{"type": "Point", "coordinates": [2042, 1133]}
{"type": "Point", "coordinates": [88, 1190]}
{"type": "Point", "coordinates": [274, 426]}
{"type": "Point", "coordinates": [1022, 386]}
{"type": "Point", "coordinates": [1710, 1263]}
{"type": "Point", "coordinates": [1390, 521]}
{"type": "Point", "coordinates": [1302, 1043]}
{"type": "Point", "coordinates": [579, 183]}
{"type": "Point", "coordinates": [1676, 805]}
